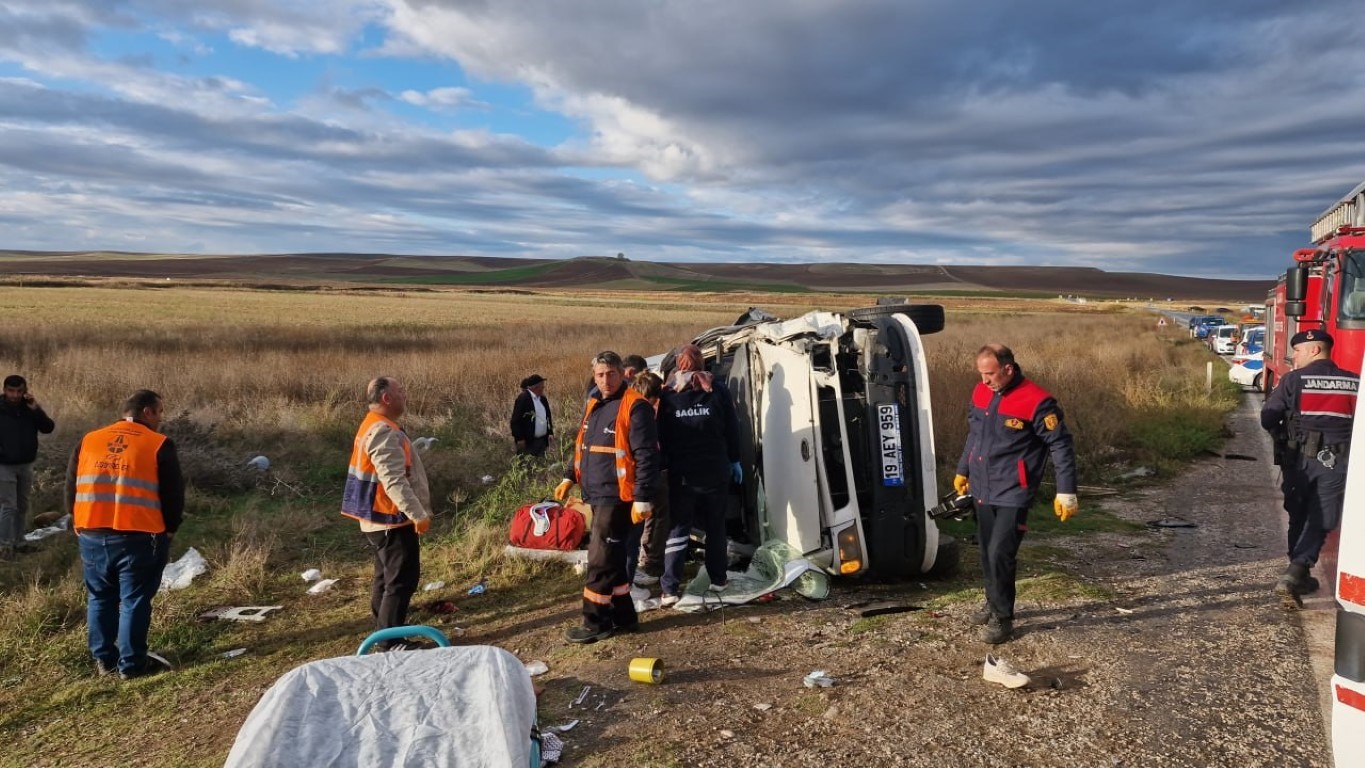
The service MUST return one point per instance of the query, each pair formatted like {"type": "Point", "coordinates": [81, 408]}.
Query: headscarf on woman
{"type": "Point", "coordinates": [690, 373]}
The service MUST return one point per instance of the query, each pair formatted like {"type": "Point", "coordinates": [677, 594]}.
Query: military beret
{"type": "Point", "coordinates": [1312, 334]}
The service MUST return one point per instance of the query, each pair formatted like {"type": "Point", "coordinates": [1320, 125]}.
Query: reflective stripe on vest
{"type": "Point", "coordinates": [116, 479]}
{"type": "Point", "coordinates": [364, 497]}
{"type": "Point", "coordinates": [625, 460]}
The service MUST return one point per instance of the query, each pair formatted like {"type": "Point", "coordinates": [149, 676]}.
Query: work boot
{"type": "Point", "coordinates": [1296, 581]}
{"type": "Point", "coordinates": [584, 635]}
{"type": "Point", "coordinates": [982, 615]}
{"type": "Point", "coordinates": [997, 630]}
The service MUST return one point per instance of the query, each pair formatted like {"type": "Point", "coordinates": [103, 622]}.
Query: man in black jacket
{"type": "Point", "coordinates": [21, 419]}
{"type": "Point", "coordinates": [1013, 426]}
{"type": "Point", "coordinates": [532, 424]}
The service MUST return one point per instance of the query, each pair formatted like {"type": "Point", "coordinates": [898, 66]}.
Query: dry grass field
{"type": "Point", "coordinates": [281, 373]}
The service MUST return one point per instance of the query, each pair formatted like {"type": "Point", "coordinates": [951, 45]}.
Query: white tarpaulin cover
{"type": "Point", "coordinates": [470, 706]}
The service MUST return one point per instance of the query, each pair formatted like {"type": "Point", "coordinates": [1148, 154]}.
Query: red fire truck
{"type": "Point", "coordinates": [1324, 289]}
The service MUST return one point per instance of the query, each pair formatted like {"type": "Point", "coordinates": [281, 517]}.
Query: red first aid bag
{"type": "Point", "coordinates": [547, 525]}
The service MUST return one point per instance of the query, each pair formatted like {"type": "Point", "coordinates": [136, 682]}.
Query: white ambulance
{"type": "Point", "coordinates": [1348, 684]}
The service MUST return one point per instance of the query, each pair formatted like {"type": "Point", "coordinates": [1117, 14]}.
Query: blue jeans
{"type": "Point", "coordinates": [122, 575]}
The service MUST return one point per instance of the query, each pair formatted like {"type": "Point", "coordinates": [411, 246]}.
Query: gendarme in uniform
{"type": "Point", "coordinates": [1309, 415]}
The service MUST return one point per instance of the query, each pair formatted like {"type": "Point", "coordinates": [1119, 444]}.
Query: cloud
{"type": "Point", "coordinates": [447, 98]}
{"type": "Point", "coordinates": [1197, 136]}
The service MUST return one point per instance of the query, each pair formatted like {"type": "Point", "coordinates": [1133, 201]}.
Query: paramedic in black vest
{"type": "Point", "coordinates": [616, 463]}
{"type": "Point", "coordinates": [699, 432]}
{"type": "Point", "coordinates": [1012, 426]}
{"type": "Point", "coordinates": [1309, 416]}
{"type": "Point", "coordinates": [532, 424]}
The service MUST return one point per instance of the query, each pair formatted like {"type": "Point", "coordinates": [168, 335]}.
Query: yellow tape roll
{"type": "Point", "coordinates": [649, 671]}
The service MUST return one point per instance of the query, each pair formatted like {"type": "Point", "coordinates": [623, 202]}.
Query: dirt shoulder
{"type": "Point", "coordinates": [1191, 662]}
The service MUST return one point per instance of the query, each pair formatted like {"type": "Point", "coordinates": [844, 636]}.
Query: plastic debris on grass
{"type": "Point", "coordinates": [180, 573]}
{"type": "Point", "coordinates": [312, 574]}
{"type": "Point", "coordinates": [321, 586]}
{"type": "Point", "coordinates": [818, 679]}
{"type": "Point", "coordinates": [775, 565]}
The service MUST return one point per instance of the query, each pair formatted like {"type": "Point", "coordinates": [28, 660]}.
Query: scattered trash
{"type": "Point", "coordinates": [259, 463]}
{"type": "Point", "coordinates": [433, 586]}
{"type": "Point", "coordinates": [763, 707]}
{"type": "Point", "coordinates": [1136, 473]}
{"type": "Point", "coordinates": [997, 670]}
{"type": "Point", "coordinates": [1170, 522]}
{"type": "Point", "coordinates": [1124, 611]}
{"type": "Point", "coordinates": [240, 613]}
{"type": "Point", "coordinates": [321, 586]}
{"type": "Point", "coordinates": [61, 525]}
{"type": "Point", "coordinates": [644, 670]}
{"type": "Point", "coordinates": [579, 701]}
{"type": "Point", "coordinates": [487, 479]}
{"type": "Point", "coordinates": [580, 568]}
{"type": "Point", "coordinates": [480, 588]}
{"type": "Point", "coordinates": [868, 609]}
{"type": "Point", "coordinates": [727, 734]}
{"type": "Point", "coordinates": [179, 574]}
{"type": "Point", "coordinates": [441, 606]}
{"type": "Point", "coordinates": [456, 632]}
{"type": "Point", "coordinates": [234, 653]}
{"type": "Point", "coordinates": [537, 667]}
{"type": "Point", "coordinates": [424, 443]}
{"type": "Point", "coordinates": [755, 619]}
{"type": "Point", "coordinates": [551, 748]}
{"type": "Point", "coordinates": [312, 574]}
{"type": "Point", "coordinates": [1230, 456]}
{"type": "Point", "coordinates": [766, 598]}
{"type": "Point", "coordinates": [818, 679]}
{"type": "Point", "coordinates": [565, 728]}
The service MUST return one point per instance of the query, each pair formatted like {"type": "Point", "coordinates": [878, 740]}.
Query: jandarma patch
{"type": "Point", "coordinates": [1014, 423]}
{"type": "Point", "coordinates": [1050, 421]}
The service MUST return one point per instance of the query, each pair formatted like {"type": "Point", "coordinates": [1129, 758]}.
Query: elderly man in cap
{"type": "Point", "coordinates": [1309, 415]}
{"type": "Point", "coordinates": [532, 424]}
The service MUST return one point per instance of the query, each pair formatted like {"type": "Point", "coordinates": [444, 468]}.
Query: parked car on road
{"type": "Point", "coordinates": [1252, 343]}
{"type": "Point", "coordinates": [1223, 339]}
{"type": "Point", "coordinates": [1247, 372]}
{"type": "Point", "coordinates": [837, 435]}
{"type": "Point", "coordinates": [1199, 326]}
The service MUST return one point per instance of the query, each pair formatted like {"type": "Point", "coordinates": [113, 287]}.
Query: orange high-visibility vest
{"type": "Point", "coordinates": [116, 479]}
{"type": "Point", "coordinates": [364, 497]}
{"type": "Point", "coordinates": [625, 460]}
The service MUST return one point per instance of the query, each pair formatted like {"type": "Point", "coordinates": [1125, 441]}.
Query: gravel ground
{"type": "Point", "coordinates": [1193, 662]}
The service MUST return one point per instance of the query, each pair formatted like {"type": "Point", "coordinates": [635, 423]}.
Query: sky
{"type": "Point", "coordinates": [1193, 138]}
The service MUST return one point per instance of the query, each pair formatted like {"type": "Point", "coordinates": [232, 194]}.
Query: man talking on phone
{"type": "Point", "coordinates": [21, 419]}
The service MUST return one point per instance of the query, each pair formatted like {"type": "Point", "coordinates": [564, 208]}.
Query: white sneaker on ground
{"type": "Point", "coordinates": [643, 579]}
{"type": "Point", "coordinates": [668, 601]}
{"type": "Point", "coordinates": [718, 588]}
{"type": "Point", "coordinates": [998, 670]}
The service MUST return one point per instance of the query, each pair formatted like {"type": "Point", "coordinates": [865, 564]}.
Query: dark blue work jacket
{"type": "Point", "coordinates": [700, 435]}
{"type": "Point", "coordinates": [1009, 437]}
